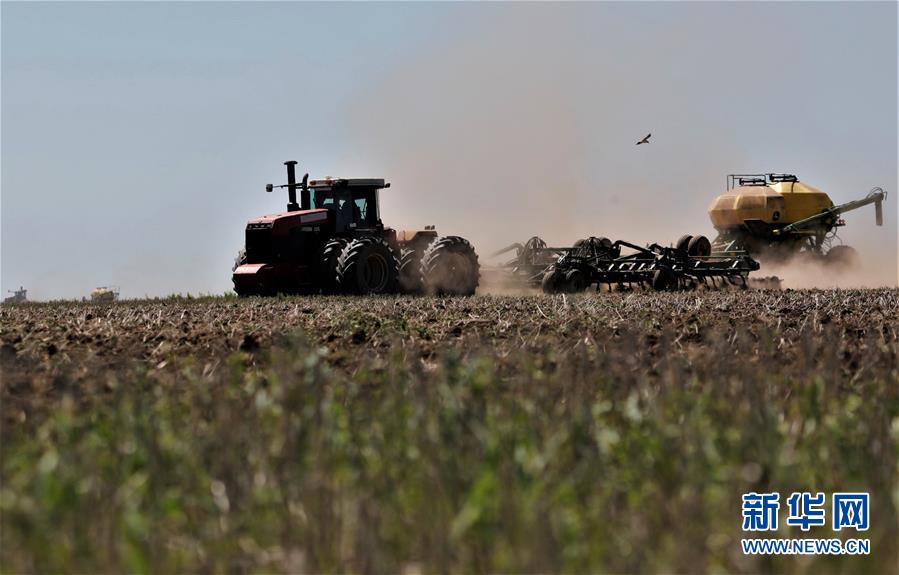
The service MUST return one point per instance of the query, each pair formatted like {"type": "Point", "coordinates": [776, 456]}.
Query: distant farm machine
{"type": "Point", "coordinates": [18, 296]}
{"type": "Point", "coordinates": [333, 241]}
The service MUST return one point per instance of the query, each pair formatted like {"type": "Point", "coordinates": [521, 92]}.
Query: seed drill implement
{"type": "Point", "coordinates": [623, 265]}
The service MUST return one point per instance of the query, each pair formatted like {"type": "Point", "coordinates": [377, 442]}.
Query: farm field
{"type": "Point", "coordinates": [605, 432]}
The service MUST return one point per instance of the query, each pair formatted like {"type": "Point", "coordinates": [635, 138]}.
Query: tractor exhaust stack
{"type": "Point", "coordinates": [291, 185]}
{"type": "Point", "coordinates": [292, 205]}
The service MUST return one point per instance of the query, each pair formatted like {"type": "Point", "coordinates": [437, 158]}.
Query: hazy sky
{"type": "Point", "coordinates": [137, 138]}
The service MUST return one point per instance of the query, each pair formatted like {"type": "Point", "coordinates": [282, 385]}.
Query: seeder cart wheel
{"type": "Point", "coordinates": [841, 257]}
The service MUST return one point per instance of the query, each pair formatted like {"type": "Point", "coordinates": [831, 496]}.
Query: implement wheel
{"type": "Point", "coordinates": [575, 282]}
{"type": "Point", "coordinates": [699, 246]}
{"type": "Point", "coordinates": [552, 280]}
{"type": "Point", "coordinates": [664, 280]}
{"type": "Point", "coordinates": [683, 243]}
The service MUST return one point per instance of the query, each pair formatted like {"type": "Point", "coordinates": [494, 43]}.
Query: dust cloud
{"type": "Point", "coordinates": [802, 272]}
{"type": "Point", "coordinates": [474, 139]}
{"type": "Point", "coordinates": [511, 124]}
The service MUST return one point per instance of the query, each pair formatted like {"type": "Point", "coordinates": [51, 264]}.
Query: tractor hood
{"type": "Point", "coordinates": [282, 223]}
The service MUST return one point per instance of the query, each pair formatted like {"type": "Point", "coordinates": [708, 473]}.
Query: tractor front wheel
{"type": "Point", "coordinates": [367, 266]}
{"type": "Point", "coordinates": [450, 267]}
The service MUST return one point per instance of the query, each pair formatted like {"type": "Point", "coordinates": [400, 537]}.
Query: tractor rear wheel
{"type": "Point", "coordinates": [450, 267]}
{"type": "Point", "coordinates": [699, 246]}
{"type": "Point", "coordinates": [327, 262]}
{"type": "Point", "coordinates": [410, 271]}
{"type": "Point", "coordinates": [367, 265]}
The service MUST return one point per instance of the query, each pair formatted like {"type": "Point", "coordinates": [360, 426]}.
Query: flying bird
{"type": "Point", "coordinates": [644, 140]}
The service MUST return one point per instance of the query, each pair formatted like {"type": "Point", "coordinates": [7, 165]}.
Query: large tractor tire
{"type": "Point", "coordinates": [450, 267]}
{"type": "Point", "coordinates": [682, 244]}
{"type": "Point", "coordinates": [368, 266]}
{"type": "Point", "coordinates": [327, 262]}
{"type": "Point", "coordinates": [411, 280]}
{"type": "Point", "coordinates": [842, 258]}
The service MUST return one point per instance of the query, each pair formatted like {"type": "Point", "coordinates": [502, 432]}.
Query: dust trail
{"type": "Point", "coordinates": [802, 272]}
{"type": "Point", "coordinates": [513, 125]}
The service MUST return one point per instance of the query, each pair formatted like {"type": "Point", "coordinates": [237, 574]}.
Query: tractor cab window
{"type": "Point", "coordinates": [324, 199]}
{"type": "Point", "coordinates": [355, 206]}
{"type": "Point", "coordinates": [366, 208]}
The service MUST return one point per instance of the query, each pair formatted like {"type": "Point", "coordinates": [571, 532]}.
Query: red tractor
{"type": "Point", "coordinates": [333, 241]}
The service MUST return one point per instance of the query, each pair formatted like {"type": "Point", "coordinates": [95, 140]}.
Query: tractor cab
{"type": "Point", "coordinates": [352, 202]}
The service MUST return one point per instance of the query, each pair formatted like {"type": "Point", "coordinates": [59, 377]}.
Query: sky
{"type": "Point", "coordinates": [136, 138]}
